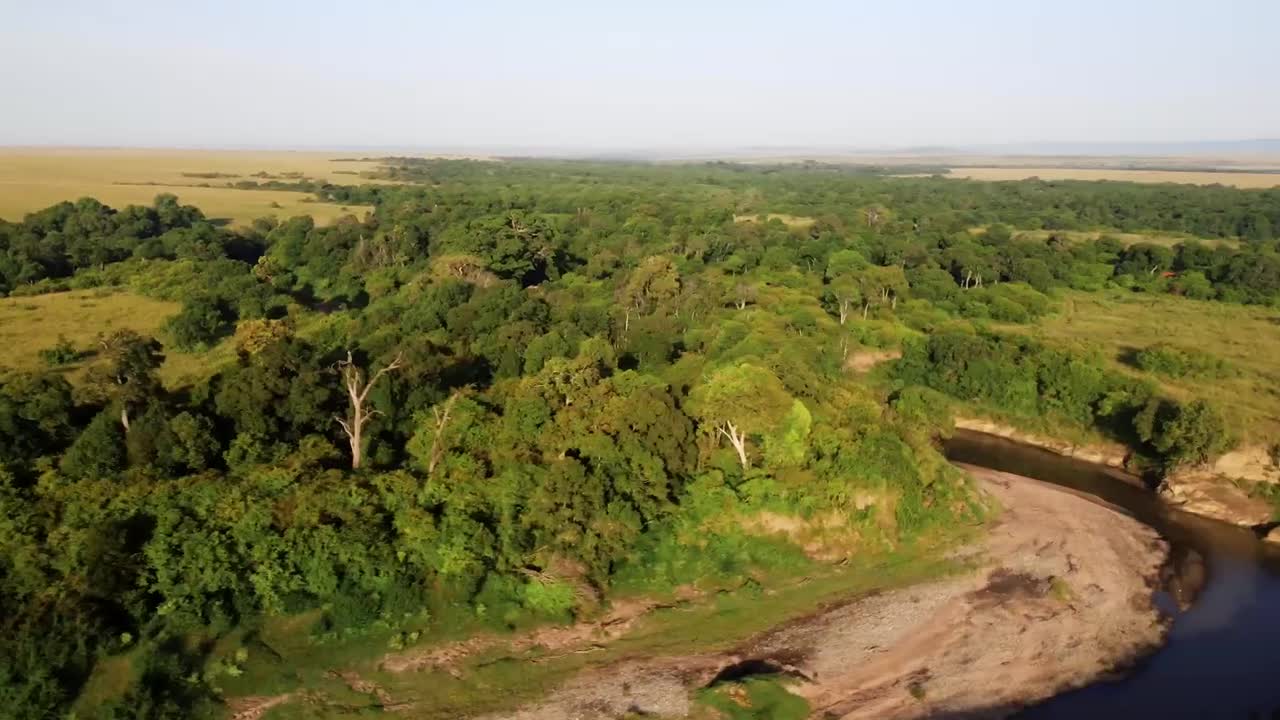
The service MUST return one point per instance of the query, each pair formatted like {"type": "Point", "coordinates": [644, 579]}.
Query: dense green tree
{"type": "Point", "coordinates": [126, 376]}
{"type": "Point", "coordinates": [739, 402]}
{"type": "Point", "coordinates": [99, 450]}
{"type": "Point", "coordinates": [199, 324]}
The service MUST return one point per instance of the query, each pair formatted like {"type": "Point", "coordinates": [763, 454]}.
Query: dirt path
{"type": "Point", "coordinates": [1062, 599]}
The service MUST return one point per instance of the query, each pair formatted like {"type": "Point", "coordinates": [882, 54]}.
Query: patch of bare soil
{"type": "Point", "coordinates": [864, 361]}
{"type": "Point", "coordinates": [1063, 598]}
{"type": "Point", "coordinates": [254, 707]}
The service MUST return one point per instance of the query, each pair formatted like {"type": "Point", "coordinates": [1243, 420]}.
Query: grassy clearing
{"type": "Point", "coordinates": [1126, 239]}
{"type": "Point", "coordinates": [34, 179]}
{"type": "Point", "coordinates": [501, 679]}
{"type": "Point", "coordinates": [795, 221]}
{"type": "Point", "coordinates": [1185, 177]}
{"type": "Point", "coordinates": [1118, 323]}
{"type": "Point", "coordinates": [111, 679]}
{"type": "Point", "coordinates": [31, 324]}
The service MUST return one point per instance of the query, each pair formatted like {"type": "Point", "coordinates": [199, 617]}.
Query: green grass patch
{"type": "Point", "coordinates": [754, 699]}
{"type": "Point", "coordinates": [1061, 590]}
{"type": "Point", "coordinates": [110, 681]}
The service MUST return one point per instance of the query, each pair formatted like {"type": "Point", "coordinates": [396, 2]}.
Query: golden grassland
{"type": "Point", "coordinates": [35, 178]}
{"type": "Point", "coordinates": [31, 324]}
{"type": "Point", "coordinates": [1248, 337]}
{"type": "Point", "coordinates": [1186, 177]}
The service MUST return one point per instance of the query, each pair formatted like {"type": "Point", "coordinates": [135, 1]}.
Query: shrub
{"type": "Point", "coordinates": [1183, 433]}
{"type": "Point", "coordinates": [553, 598]}
{"type": "Point", "coordinates": [1177, 362]}
{"type": "Point", "coordinates": [62, 353]}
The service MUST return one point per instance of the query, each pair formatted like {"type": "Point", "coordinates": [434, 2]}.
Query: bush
{"type": "Point", "coordinates": [62, 353]}
{"type": "Point", "coordinates": [553, 598]}
{"type": "Point", "coordinates": [1183, 433]}
{"type": "Point", "coordinates": [200, 323]}
{"type": "Point", "coordinates": [1165, 359]}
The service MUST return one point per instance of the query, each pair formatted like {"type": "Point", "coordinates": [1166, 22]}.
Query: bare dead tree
{"type": "Point", "coordinates": [358, 392]}
{"type": "Point", "coordinates": [441, 413]}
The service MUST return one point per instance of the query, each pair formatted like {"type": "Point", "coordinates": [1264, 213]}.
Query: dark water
{"type": "Point", "coordinates": [1222, 657]}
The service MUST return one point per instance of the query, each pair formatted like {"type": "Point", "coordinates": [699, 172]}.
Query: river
{"type": "Point", "coordinates": [1222, 655]}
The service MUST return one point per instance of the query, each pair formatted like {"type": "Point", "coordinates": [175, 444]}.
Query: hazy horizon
{"type": "Point", "coordinates": [581, 77]}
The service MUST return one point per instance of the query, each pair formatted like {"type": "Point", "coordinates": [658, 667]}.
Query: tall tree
{"type": "Point", "coordinates": [128, 375]}
{"type": "Point", "coordinates": [741, 401]}
{"type": "Point", "coordinates": [844, 269]}
{"type": "Point", "coordinates": [359, 414]}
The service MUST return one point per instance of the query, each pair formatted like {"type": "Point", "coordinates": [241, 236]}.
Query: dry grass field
{"type": "Point", "coordinates": [1188, 177]}
{"type": "Point", "coordinates": [32, 179]}
{"type": "Point", "coordinates": [1247, 337]}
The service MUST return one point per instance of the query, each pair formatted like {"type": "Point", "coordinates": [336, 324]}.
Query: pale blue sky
{"type": "Point", "coordinates": [639, 74]}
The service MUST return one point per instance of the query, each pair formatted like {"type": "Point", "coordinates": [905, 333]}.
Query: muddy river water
{"type": "Point", "coordinates": [1222, 656]}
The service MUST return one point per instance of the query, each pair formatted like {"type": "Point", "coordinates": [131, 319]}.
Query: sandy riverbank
{"type": "Point", "coordinates": [1060, 597]}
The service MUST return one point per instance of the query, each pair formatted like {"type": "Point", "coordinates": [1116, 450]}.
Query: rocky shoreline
{"type": "Point", "coordinates": [1060, 596]}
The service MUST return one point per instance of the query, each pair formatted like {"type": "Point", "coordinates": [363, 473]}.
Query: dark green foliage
{"type": "Point", "coordinates": [1183, 433]}
{"type": "Point", "coordinates": [1016, 375]}
{"type": "Point", "coordinates": [35, 416]}
{"type": "Point", "coordinates": [99, 450]}
{"type": "Point", "coordinates": [200, 323]}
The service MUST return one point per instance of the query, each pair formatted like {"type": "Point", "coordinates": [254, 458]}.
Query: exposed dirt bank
{"type": "Point", "coordinates": [1110, 454]}
{"type": "Point", "coordinates": [1061, 596]}
{"type": "Point", "coordinates": [1216, 490]}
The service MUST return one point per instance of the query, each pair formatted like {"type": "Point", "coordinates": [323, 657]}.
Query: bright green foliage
{"type": "Point", "coordinates": [788, 446]}
{"type": "Point", "coordinates": [739, 402]}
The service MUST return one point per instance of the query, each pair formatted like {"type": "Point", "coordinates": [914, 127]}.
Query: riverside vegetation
{"type": "Point", "coordinates": [515, 391]}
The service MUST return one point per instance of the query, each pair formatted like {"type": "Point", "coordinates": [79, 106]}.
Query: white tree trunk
{"type": "Point", "coordinates": [739, 441]}
{"type": "Point", "coordinates": [358, 393]}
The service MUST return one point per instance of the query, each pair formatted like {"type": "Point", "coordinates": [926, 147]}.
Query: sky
{"type": "Point", "coordinates": [608, 75]}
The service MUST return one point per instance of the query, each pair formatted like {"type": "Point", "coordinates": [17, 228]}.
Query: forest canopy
{"type": "Point", "coordinates": [515, 385]}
